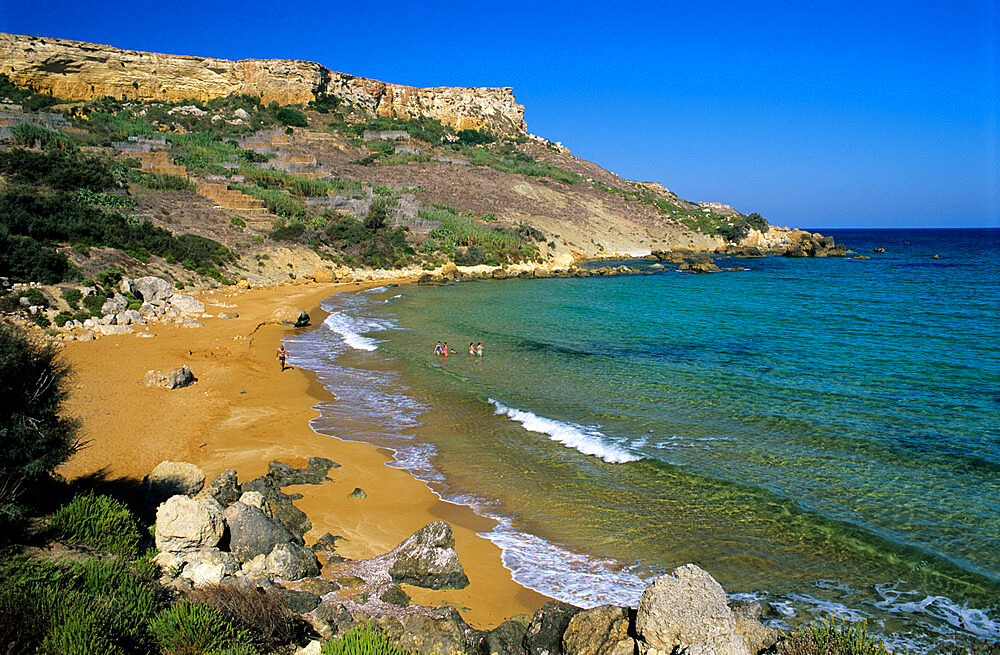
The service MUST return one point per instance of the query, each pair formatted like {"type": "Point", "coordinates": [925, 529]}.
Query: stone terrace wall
{"type": "Point", "coordinates": [77, 70]}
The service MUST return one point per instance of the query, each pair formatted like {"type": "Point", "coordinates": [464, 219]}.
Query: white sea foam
{"type": "Point", "coordinates": [352, 330]}
{"type": "Point", "coordinates": [398, 295]}
{"type": "Point", "coordinates": [587, 440]}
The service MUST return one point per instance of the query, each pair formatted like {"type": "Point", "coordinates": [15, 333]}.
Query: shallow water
{"type": "Point", "coordinates": [821, 434]}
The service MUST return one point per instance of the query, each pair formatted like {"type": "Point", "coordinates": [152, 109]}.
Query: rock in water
{"type": "Point", "coordinates": [183, 523]}
{"type": "Point", "coordinates": [252, 533]}
{"type": "Point", "coordinates": [428, 559]}
{"type": "Point", "coordinates": [687, 609]}
{"type": "Point", "coordinates": [602, 630]}
{"type": "Point", "coordinates": [171, 479]}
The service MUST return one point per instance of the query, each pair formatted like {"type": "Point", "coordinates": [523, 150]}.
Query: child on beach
{"type": "Point", "coordinates": [282, 356]}
{"type": "Point", "coordinates": [437, 348]}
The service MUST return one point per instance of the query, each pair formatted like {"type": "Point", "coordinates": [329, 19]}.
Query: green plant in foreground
{"type": "Point", "coordinates": [831, 638]}
{"type": "Point", "coordinates": [187, 628]}
{"type": "Point", "coordinates": [102, 522]}
{"type": "Point", "coordinates": [362, 640]}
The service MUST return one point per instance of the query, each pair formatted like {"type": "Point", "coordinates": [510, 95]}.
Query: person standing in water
{"type": "Point", "coordinates": [472, 350]}
{"type": "Point", "coordinates": [437, 348]}
{"type": "Point", "coordinates": [282, 356]}
{"type": "Point", "coordinates": [444, 350]}
{"type": "Point", "coordinates": [479, 349]}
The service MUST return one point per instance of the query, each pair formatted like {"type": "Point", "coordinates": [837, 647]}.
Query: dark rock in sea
{"type": "Point", "coordinates": [358, 493]}
{"type": "Point", "coordinates": [442, 631]}
{"type": "Point", "coordinates": [603, 630]}
{"type": "Point", "coordinates": [878, 250]}
{"type": "Point", "coordinates": [300, 602]}
{"type": "Point", "coordinates": [315, 472]}
{"type": "Point", "coordinates": [428, 559]}
{"type": "Point", "coordinates": [505, 639]}
{"type": "Point", "coordinates": [253, 533]}
{"type": "Point", "coordinates": [427, 279]}
{"type": "Point", "coordinates": [395, 595]}
{"type": "Point", "coordinates": [225, 488]}
{"type": "Point", "coordinates": [318, 586]}
{"type": "Point", "coordinates": [545, 632]}
{"type": "Point", "coordinates": [703, 264]}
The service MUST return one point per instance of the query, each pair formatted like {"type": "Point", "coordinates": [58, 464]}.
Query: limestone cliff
{"type": "Point", "coordinates": [83, 71]}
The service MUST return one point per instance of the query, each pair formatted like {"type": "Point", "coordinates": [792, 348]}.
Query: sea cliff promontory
{"type": "Point", "coordinates": [78, 70]}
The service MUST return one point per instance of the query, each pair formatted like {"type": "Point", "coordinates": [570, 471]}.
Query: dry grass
{"type": "Point", "coordinates": [262, 614]}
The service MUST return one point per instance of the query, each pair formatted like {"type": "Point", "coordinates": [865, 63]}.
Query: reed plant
{"type": "Point", "coordinates": [362, 640]}
{"type": "Point", "coordinates": [102, 522]}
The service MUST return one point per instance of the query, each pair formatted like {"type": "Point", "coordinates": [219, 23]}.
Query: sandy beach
{"type": "Point", "coordinates": [244, 413]}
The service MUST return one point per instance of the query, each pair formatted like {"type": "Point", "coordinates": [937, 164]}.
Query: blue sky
{"type": "Point", "coordinates": [814, 114]}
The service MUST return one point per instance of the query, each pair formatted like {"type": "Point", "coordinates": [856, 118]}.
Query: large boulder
{"type": "Point", "coordinates": [757, 636]}
{"type": "Point", "coordinates": [207, 567]}
{"type": "Point", "coordinates": [687, 608]}
{"type": "Point", "coordinates": [601, 630]}
{"type": "Point", "coordinates": [225, 488]}
{"type": "Point", "coordinates": [187, 304]}
{"type": "Point", "coordinates": [428, 559]}
{"type": "Point", "coordinates": [252, 532]}
{"type": "Point", "coordinates": [171, 479]}
{"type": "Point", "coordinates": [290, 561]}
{"type": "Point", "coordinates": [441, 632]}
{"type": "Point", "coordinates": [282, 509]}
{"type": "Point", "coordinates": [545, 632]}
{"type": "Point", "coordinates": [315, 472]}
{"type": "Point", "coordinates": [183, 523]}
{"type": "Point", "coordinates": [182, 377]}
{"type": "Point", "coordinates": [287, 315]}
{"type": "Point", "coordinates": [505, 639]}
{"type": "Point", "coordinates": [151, 289]}
{"type": "Point", "coordinates": [703, 264]}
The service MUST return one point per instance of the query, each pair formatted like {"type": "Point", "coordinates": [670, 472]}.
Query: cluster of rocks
{"type": "Point", "coordinates": [250, 535]}
{"type": "Point", "coordinates": [452, 273]}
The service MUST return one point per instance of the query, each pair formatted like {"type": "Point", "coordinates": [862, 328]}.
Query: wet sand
{"type": "Point", "coordinates": [243, 413]}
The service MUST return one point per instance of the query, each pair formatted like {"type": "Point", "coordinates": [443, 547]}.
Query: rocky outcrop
{"type": "Point", "coordinates": [183, 523]}
{"type": "Point", "coordinates": [171, 479]}
{"type": "Point", "coordinates": [77, 70]}
{"type": "Point", "coordinates": [252, 532]}
{"type": "Point", "coordinates": [545, 632]}
{"type": "Point", "coordinates": [602, 630]}
{"type": "Point", "coordinates": [292, 316]}
{"type": "Point", "coordinates": [686, 610]}
{"type": "Point", "coordinates": [428, 559]}
{"type": "Point", "coordinates": [182, 377]}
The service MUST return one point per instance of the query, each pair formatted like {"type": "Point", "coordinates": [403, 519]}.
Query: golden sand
{"type": "Point", "coordinates": [243, 413]}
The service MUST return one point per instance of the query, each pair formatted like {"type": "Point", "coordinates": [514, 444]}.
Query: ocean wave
{"type": "Point", "coordinates": [398, 295]}
{"type": "Point", "coordinates": [587, 440]}
{"type": "Point", "coordinates": [352, 330]}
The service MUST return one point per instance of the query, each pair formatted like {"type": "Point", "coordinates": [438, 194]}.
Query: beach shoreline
{"type": "Point", "coordinates": [243, 413]}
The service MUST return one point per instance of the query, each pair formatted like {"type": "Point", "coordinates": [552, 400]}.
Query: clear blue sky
{"type": "Point", "coordinates": [815, 114]}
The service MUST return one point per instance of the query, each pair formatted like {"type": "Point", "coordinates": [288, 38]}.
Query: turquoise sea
{"type": "Point", "coordinates": [819, 434]}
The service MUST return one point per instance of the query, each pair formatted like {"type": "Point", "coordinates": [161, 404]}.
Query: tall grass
{"type": "Point", "coordinates": [298, 185]}
{"type": "Point", "coordinates": [362, 640]}
{"type": "Point", "coordinates": [101, 522]}
{"type": "Point", "coordinates": [277, 201]}
{"type": "Point", "coordinates": [187, 628]}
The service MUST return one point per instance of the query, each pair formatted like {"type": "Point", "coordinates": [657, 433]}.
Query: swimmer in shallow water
{"type": "Point", "coordinates": [479, 350]}
{"type": "Point", "coordinates": [437, 348]}
{"type": "Point", "coordinates": [472, 349]}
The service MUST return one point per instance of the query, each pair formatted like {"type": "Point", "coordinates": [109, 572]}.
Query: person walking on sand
{"type": "Point", "coordinates": [479, 349]}
{"type": "Point", "coordinates": [437, 348]}
{"type": "Point", "coordinates": [282, 356]}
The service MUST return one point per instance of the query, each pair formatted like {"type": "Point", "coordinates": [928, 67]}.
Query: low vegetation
{"type": "Point", "coordinates": [362, 640]}
{"type": "Point", "coordinates": [831, 638]}
{"type": "Point", "coordinates": [469, 243]}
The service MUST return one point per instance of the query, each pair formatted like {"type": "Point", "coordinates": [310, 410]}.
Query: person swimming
{"type": "Point", "coordinates": [479, 350]}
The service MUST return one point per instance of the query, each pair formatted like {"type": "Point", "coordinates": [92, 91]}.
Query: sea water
{"type": "Point", "coordinates": [818, 434]}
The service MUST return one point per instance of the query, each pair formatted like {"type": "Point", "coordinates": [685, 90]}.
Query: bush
{"type": "Point", "coordinates": [72, 297]}
{"type": "Point", "coordinates": [362, 640]}
{"type": "Point", "coordinates": [28, 135]}
{"type": "Point", "coordinates": [35, 433]}
{"type": "Point", "coordinates": [292, 116]}
{"type": "Point", "coordinates": [188, 628]}
{"type": "Point", "coordinates": [164, 182]}
{"type": "Point", "coordinates": [475, 137]}
{"type": "Point", "coordinates": [58, 169]}
{"type": "Point", "coordinates": [101, 522]}
{"type": "Point", "coordinates": [237, 221]}
{"type": "Point", "coordinates": [830, 638]}
{"type": "Point", "coordinates": [262, 615]}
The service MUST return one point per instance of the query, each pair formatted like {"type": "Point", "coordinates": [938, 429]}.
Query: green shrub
{"type": "Point", "coordinates": [292, 116]}
{"type": "Point", "coordinates": [34, 430]}
{"type": "Point", "coordinates": [58, 169]}
{"type": "Point", "coordinates": [72, 297]}
{"type": "Point", "coordinates": [28, 135]}
{"type": "Point", "coordinates": [94, 302]}
{"type": "Point", "coordinates": [188, 628]}
{"type": "Point", "coordinates": [362, 640]}
{"type": "Point", "coordinates": [237, 221]}
{"type": "Point", "coordinates": [89, 197]}
{"type": "Point", "coordinates": [830, 638]}
{"type": "Point", "coordinates": [475, 137]}
{"type": "Point", "coordinates": [164, 182]}
{"type": "Point", "coordinates": [257, 238]}
{"type": "Point", "coordinates": [101, 522]}
{"type": "Point", "coordinates": [62, 318]}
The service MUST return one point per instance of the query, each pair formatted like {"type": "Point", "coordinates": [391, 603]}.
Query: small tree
{"type": "Point", "coordinates": [35, 436]}
{"type": "Point", "coordinates": [379, 213]}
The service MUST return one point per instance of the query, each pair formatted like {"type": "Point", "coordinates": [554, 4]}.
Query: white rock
{"type": "Point", "coordinates": [186, 304]}
{"type": "Point", "coordinates": [256, 499]}
{"type": "Point", "coordinates": [183, 523]}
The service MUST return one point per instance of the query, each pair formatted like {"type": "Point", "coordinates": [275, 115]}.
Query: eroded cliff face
{"type": "Point", "coordinates": [78, 70]}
